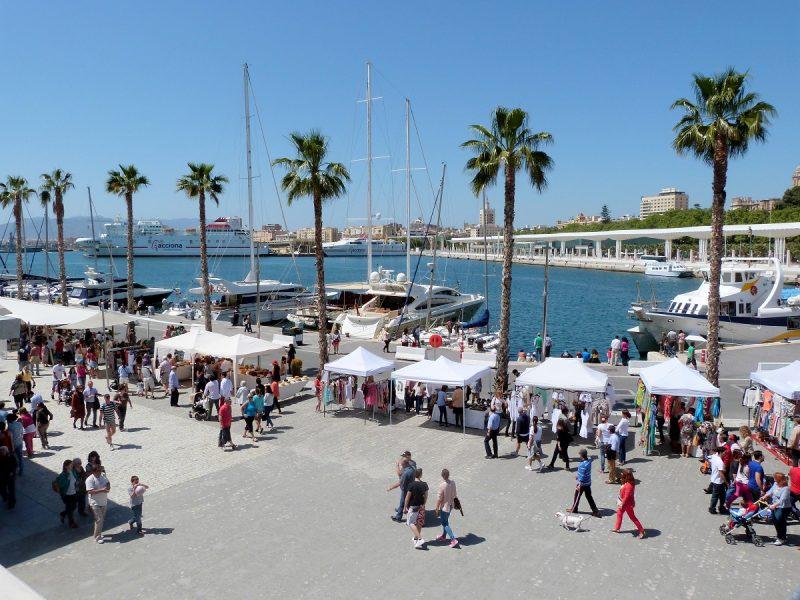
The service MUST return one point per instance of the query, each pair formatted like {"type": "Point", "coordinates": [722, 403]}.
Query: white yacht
{"type": "Point", "coordinates": [358, 247]}
{"type": "Point", "coordinates": [751, 308]}
{"type": "Point", "coordinates": [97, 287]}
{"type": "Point", "coordinates": [278, 299]}
{"type": "Point", "coordinates": [225, 236]}
{"type": "Point", "coordinates": [397, 304]}
{"type": "Point", "coordinates": [667, 269]}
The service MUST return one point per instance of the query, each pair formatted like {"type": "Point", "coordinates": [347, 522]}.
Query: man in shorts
{"type": "Point", "coordinates": [414, 507]}
{"type": "Point", "coordinates": [109, 412]}
{"type": "Point", "coordinates": [59, 372]}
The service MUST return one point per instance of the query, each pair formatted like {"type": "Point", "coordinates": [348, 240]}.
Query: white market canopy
{"type": "Point", "coordinates": [237, 347]}
{"type": "Point", "coordinates": [63, 317]}
{"type": "Point", "coordinates": [443, 371]}
{"type": "Point", "coordinates": [360, 362]}
{"type": "Point", "coordinates": [184, 342]}
{"type": "Point", "coordinates": [674, 378]}
{"type": "Point", "coordinates": [569, 374]}
{"type": "Point", "coordinates": [784, 381]}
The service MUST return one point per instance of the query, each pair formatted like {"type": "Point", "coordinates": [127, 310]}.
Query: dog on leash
{"type": "Point", "coordinates": [571, 522]}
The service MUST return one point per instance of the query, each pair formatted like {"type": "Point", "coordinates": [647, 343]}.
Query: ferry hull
{"type": "Point", "coordinates": [173, 250]}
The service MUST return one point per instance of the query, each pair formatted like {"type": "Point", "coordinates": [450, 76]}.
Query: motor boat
{"type": "Point", "coordinates": [667, 269]}
{"type": "Point", "coordinates": [398, 304]}
{"type": "Point", "coordinates": [752, 309]}
{"type": "Point", "coordinates": [358, 247]}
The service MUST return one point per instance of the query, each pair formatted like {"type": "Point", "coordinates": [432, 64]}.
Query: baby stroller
{"type": "Point", "coordinates": [198, 410]}
{"type": "Point", "coordinates": [744, 517]}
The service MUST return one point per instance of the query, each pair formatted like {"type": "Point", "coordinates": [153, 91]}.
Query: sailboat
{"type": "Point", "coordinates": [265, 300]}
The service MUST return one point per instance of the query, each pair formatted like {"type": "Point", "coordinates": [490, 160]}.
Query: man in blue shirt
{"type": "Point", "coordinates": [756, 482]}
{"type": "Point", "coordinates": [584, 484]}
{"type": "Point", "coordinates": [492, 429]}
{"type": "Point", "coordinates": [405, 479]}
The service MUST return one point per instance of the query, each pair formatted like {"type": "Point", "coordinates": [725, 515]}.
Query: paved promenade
{"type": "Point", "coordinates": [305, 514]}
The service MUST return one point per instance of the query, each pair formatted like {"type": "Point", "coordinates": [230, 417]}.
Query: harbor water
{"type": "Point", "coordinates": [586, 308]}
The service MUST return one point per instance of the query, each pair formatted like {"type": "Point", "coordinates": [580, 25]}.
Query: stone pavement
{"type": "Point", "coordinates": [305, 514]}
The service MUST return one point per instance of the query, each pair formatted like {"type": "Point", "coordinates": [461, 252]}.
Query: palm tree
{"type": "Point", "coordinates": [125, 183]}
{"type": "Point", "coordinates": [510, 144]}
{"type": "Point", "coordinates": [54, 186]}
{"type": "Point", "coordinates": [198, 183]}
{"type": "Point", "coordinates": [720, 124]}
{"type": "Point", "coordinates": [14, 192]}
{"type": "Point", "coordinates": [309, 175]}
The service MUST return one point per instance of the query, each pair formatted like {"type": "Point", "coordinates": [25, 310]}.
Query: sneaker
{"type": "Point", "coordinates": [419, 544]}
{"type": "Point", "coordinates": [454, 543]}
{"type": "Point", "coordinates": [441, 538]}
{"type": "Point", "coordinates": [528, 468]}
{"type": "Point", "coordinates": [712, 511]}
{"type": "Point", "coordinates": [778, 543]}
{"type": "Point", "coordinates": [99, 540]}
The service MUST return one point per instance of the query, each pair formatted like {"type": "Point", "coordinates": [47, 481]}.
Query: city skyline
{"type": "Point", "coordinates": [73, 110]}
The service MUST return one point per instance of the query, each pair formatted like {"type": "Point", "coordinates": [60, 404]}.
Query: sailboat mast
{"type": "Point", "coordinates": [46, 255]}
{"type": "Point", "coordinates": [246, 77]}
{"type": "Point", "coordinates": [408, 187]}
{"type": "Point", "coordinates": [544, 293]}
{"type": "Point", "coordinates": [369, 170]}
{"type": "Point", "coordinates": [435, 239]}
{"type": "Point", "coordinates": [91, 220]}
{"type": "Point", "coordinates": [485, 256]}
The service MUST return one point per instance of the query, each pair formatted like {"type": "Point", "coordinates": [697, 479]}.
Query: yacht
{"type": "Point", "coordinates": [751, 308]}
{"type": "Point", "coordinates": [667, 269]}
{"type": "Point", "coordinates": [398, 304]}
{"type": "Point", "coordinates": [97, 287]}
{"type": "Point", "coordinates": [358, 247]}
{"type": "Point", "coordinates": [278, 299]}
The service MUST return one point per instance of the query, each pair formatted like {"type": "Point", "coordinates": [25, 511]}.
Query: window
{"type": "Point", "coordinates": [741, 308]}
{"type": "Point", "coordinates": [738, 278]}
{"type": "Point", "coordinates": [703, 310]}
{"type": "Point", "coordinates": [685, 308]}
{"type": "Point", "coordinates": [748, 308]}
{"type": "Point", "coordinates": [671, 307]}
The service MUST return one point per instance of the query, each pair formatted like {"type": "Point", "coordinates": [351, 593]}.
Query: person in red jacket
{"type": "Point", "coordinates": [626, 503]}
{"type": "Point", "coordinates": [225, 419]}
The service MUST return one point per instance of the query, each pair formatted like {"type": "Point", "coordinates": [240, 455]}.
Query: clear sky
{"type": "Point", "coordinates": [90, 84]}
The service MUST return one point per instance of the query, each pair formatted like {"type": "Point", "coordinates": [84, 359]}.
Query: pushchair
{"type": "Point", "coordinates": [744, 517]}
{"type": "Point", "coordinates": [198, 410]}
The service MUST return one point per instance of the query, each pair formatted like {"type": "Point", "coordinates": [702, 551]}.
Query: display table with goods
{"type": "Point", "coordinates": [340, 384]}
{"type": "Point", "coordinates": [774, 399]}
{"type": "Point", "coordinates": [661, 389]}
{"type": "Point", "coordinates": [474, 418]}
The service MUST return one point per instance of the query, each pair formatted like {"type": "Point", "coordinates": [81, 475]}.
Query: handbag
{"type": "Point", "coordinates": [457, 505]}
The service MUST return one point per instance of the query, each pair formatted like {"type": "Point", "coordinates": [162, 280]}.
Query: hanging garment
{"type": "Point", "coordinates": [555, 418]}
{"type": "Point", "coordinates": [348, 390]}
{"type": "Point", "coordinates": [715, 408]}
{"type": "Point", "coordinates": [536, 406]}
{"type": "Point", "coordinates": [640, 393]}
{"type": "Point", "coordinates": [698, 413]}
{"type": "Point", "coordinates": [767, 396]}
{"type": "Point", "coordinates": [586, 420]}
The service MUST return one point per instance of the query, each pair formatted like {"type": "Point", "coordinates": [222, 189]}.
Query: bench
{"type": "Point", "coordinates": [410, 354]}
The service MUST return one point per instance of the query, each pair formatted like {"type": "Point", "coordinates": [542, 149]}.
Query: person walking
{"type": "Point", "coordinates": [80, 485]}
{"type": "Point", "coordinates": [28, 430]}
{"type": "Point", "coordinates": [78, 408]}
{"type": "Point", "coordinates": [626, 503]}
{"type": "Point", "coordinates": [405, 477]}
{"type": "Point", "coordinates": [534, 445]}
{"type": "Point", "coordinates": [97, 487]}
{"type": "Point", "coordinates": [43, 416]}
{"type": "Point", "coordinates": [211, 394]}
{"type": "Point", "coordinates": [225, 421]}
{"type": "Point", "coordinates": [275, 392]}
{"type": "Point", "coordinates": [718, 482]}
{"type": "Point", "coordinates": [108, 411]}
{"type": "Point", "coordinates": [336, 339]}
{"type": "Point", "coordinates": [387, 337]}
{"type": "Point", "coordinates": [622, 431]}
{"type": "Point", "coordinates": [136, 499]}
{"type": "Point", "coordinates": [19, 391]}
{"type": "Point", "coordinates": [8, 476]}
{"type": "Point", "coordinates": [522, 426]}
{"type": "Point", "coordinates": [90, 403]}
{"type": "Point", "coordinates": [492, 429]}
{"type": "Point", "coordinates": [445, 501]}
{"type": "Point", "coordinates": [124, 401]}
{"type": "Point", "coordinates": [538, 345]}
{"type": "Point", "coordinates": [226, 387]}
{"type": "Point", "coordinates": [611, 454]}
{"type": "Point", "coordinates": [148, 380]}
{"type": "Point", "coordinates": [414, 507]}
{"type": "Point", "coordinates": [420, 392]}
{"type": "Point", "coordinates": [781, 504]}
{"type": "Point", "coordinates": [583, 487]}
{"type": "Point", "coordinates": [624, 351]}
{"type": "Point", "coordinates": [66, 486]}
{"type": "Point", "coordinates": [563, 439]}
{"type": "Point", "coordinates": [690, 358]}
{"type": "Point", "coordinates": [174, 385]}
{"type": "Point", "coordinates": [249, 415]}
{"type": "Point", "coordinates": [441, 404]}
{"type": "Point", "coordinates": [17, 433]}
{"type": "Point", "coordinates": [248, 324]}
{"type": "Point", "coordinates": [602, 438]}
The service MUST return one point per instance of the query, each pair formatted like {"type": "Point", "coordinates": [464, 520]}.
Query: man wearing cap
{"type": "Point", "coordinates": [405, 478]}
{"type": "Point", "coordinates": [225, 420]}
{"type": "Point", "coordinates": [173, 386]}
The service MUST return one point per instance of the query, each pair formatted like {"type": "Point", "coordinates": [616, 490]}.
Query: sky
{"type": "Point", "coordinates": [89, 85]}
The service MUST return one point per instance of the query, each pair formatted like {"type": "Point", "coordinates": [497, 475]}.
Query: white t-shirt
{"type": "Point", "coordinates": [226, 388]}
{"type": "Point", "coordinates": [241, 394]}
{"type": "Point", "coordinates": [212, 390]}
{"type": "Point", "coordinates": [622, 427]}
{"type": "Point", "coordinates": [613, 442]}
{"type": "Point", "coordinates": [615, 344]}
{"type": "Point", "coordinates": [94, 482]}
{"type": "Point", "coordinates": [58, 372]}
{"type": "Point", "coordinates": [604, 434]}
{"type": "Point", "coordinates": [89, 394]}
{"type": "Point", "coordinates": [497, 404]}
{"type": "Point", "coordinates": [717, 468]}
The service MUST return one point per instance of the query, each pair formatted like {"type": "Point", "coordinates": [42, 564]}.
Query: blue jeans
{"type": "Point", "coordinates": [538, 353]}
{"type": "Point", "coordinates": [18, 454]}
{"type": "Point", "coordinates": [623, 442]}
{"type": "Point", "coordinates": [603, 448]}
{"type": "Point", "coordinates": [136, 519]}
{"type": "Point", "coordinates": [267, 410]}
{"type": "Point", "coordinates": [398, 515]}
{"type": "Point", "coordinates": [444, 518]}
{"type": "Point", "coordinates": [779, 519]}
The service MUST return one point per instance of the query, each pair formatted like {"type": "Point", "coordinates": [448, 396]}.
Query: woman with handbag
{"type": "Point", "coordinates": [626, 502]}
{"type": "Point", "coordinates": [445, 504]}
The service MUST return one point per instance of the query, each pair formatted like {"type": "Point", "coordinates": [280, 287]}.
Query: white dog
{"type": "Point", "coordinates": [571, 521]}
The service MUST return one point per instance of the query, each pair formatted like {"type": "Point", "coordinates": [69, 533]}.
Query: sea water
{"type": "Point", "coordinates": [586, 308]}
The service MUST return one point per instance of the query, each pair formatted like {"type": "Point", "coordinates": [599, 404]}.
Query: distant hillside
{"type": "Point", "coordinates": [80, 226]}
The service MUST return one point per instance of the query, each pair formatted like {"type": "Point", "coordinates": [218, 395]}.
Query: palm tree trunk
{"type": "Point", "coordinates": [201, 201]}
{"type": "Point", "coordinates": [18, 245]}
{"type": "Point", "coordinates": [501, 377]}
{"type": "Point", "coordinates": [129, 205]}
{"type": "Point", "coordinates": [715, 260]}
{"type": "Point", "coordinates": [322, 307]}
{"type": "Point", "coordinates": [58, 208]}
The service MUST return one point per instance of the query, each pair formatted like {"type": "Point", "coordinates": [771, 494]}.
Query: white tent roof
{"type": "Point", "coordinates": [360, 362]}
{"type": "Point", "coordinates": [67, 317]}
{"type": "Point", "coordinates": [564, 374]}
{"type": "Point", "coordinates": [184, 342]}
{"type": "Point", "coordinates": [676, 379]}
{"type": "Point", "coordinates": [443, 371]}
{"type": "Point", "coordinates": [784, 381]}
{"type": "Point", "coordinates": [236, 346]}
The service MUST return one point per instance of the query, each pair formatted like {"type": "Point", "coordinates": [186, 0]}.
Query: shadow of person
{"type": "Point", "coordinates": [470, 539]}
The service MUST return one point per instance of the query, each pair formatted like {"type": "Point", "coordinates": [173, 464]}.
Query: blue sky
{"type": "Point", "coordinates": [88, 85]}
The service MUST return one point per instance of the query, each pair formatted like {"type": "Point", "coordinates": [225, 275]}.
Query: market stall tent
{"type": "Point", "coordinates": [443, 371]}
{"type": "Point", "coordinates": [673, 378]}
{"type": "Point", "coordinates": [569, 374]}
{"type": "Point", "coordinates": [65, 317]}
{"type": "Point", "coordinates": [185, 342]}
{"type": "Point", "coordinates": [784, 381]}
{"type": "Point", "coordinates": [360, 362]}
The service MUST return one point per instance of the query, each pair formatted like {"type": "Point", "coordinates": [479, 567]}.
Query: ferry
{"type": "Point", "coordinates": [752, 309]}
{"type": "Point", "coordinates": [225, 236]}
{"type": "Point", "coordinates": [358, 247]}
